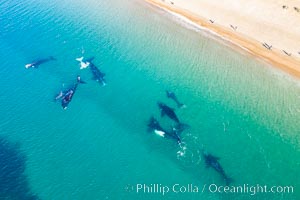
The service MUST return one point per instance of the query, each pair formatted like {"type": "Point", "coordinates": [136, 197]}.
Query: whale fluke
{"type": "Point", "coordinates": [83, 64]}
{"type": "Point", "coordinates": [79, 59]}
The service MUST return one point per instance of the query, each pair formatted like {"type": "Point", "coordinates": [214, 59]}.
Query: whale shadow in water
{"type": "Point", "coordinates": [13, 182]}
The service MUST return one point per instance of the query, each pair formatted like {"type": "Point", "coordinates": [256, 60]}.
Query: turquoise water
{"type": "Point", "coordinates": [240, 109]}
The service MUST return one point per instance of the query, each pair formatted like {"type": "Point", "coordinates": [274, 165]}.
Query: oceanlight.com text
{"type": "Point", "coordinates": [249, 189]}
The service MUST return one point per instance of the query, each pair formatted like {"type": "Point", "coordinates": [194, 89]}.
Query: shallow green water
{"type": "Point", "coordinates": [238, 108]}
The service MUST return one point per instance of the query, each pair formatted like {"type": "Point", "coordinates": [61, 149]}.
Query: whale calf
{"type": "Point", "coordinates": [37, 63]}
{"type": "Point", "coordinates": [171, 95]}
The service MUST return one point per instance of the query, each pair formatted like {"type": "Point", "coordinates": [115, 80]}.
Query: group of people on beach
{"type": "Point", "coordinates": [267, 46]}
{"type": "Point", "coordinates": [295, 8]}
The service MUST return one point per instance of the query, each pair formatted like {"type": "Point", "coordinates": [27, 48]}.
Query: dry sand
{"type": "Point", "coordinates": [249, 24]}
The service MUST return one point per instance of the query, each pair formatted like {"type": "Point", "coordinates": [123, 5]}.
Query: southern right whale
{"type": "Point", "coordinates": [37, 63]}
{"type": "Point", "coordinates": [170, 112]}
{"type": "Point", "coordinates": [166, 110]}
{"type": "Point", "coordinates": [213, 162]}
{"type": "Point", "coordinates": [66, 96]}
{"type": "Point", "coordinates": [171, 95]}
{"type": "Point", "coordinates": [154, 126]}
{"type": "Point", "coordinates": [98, 75]}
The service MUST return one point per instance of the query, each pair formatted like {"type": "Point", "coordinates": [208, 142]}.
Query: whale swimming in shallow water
{"type": "Point", "coordinates": [171, 95]}
{"type": "Point", "coordinates": [62, 93]}
{"type": "Point", "coordinates": [213, 162]}
{"type": "Point", "coordinates": [97, 74]}
{"type": "Point", "coordinates": [66, 96]}
{"type": "Point", "coordinates": [83, 63]}
{"type": "Point", "coordinates": [37, 63]}
{"type": "Point", "coordinates": [166, 110]}
{"type": "Point", "coordinates": [154, 126]}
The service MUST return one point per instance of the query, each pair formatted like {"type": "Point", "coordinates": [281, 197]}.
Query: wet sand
{"type": "Point", "coordinates": [267, 29]}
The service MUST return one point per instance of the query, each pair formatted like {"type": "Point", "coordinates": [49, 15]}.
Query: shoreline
{"type": "Point", "coordinates": [276, 57]}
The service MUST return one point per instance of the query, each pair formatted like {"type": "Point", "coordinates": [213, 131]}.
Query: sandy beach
{"type": "Point", "coordinates": [267, 29]}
